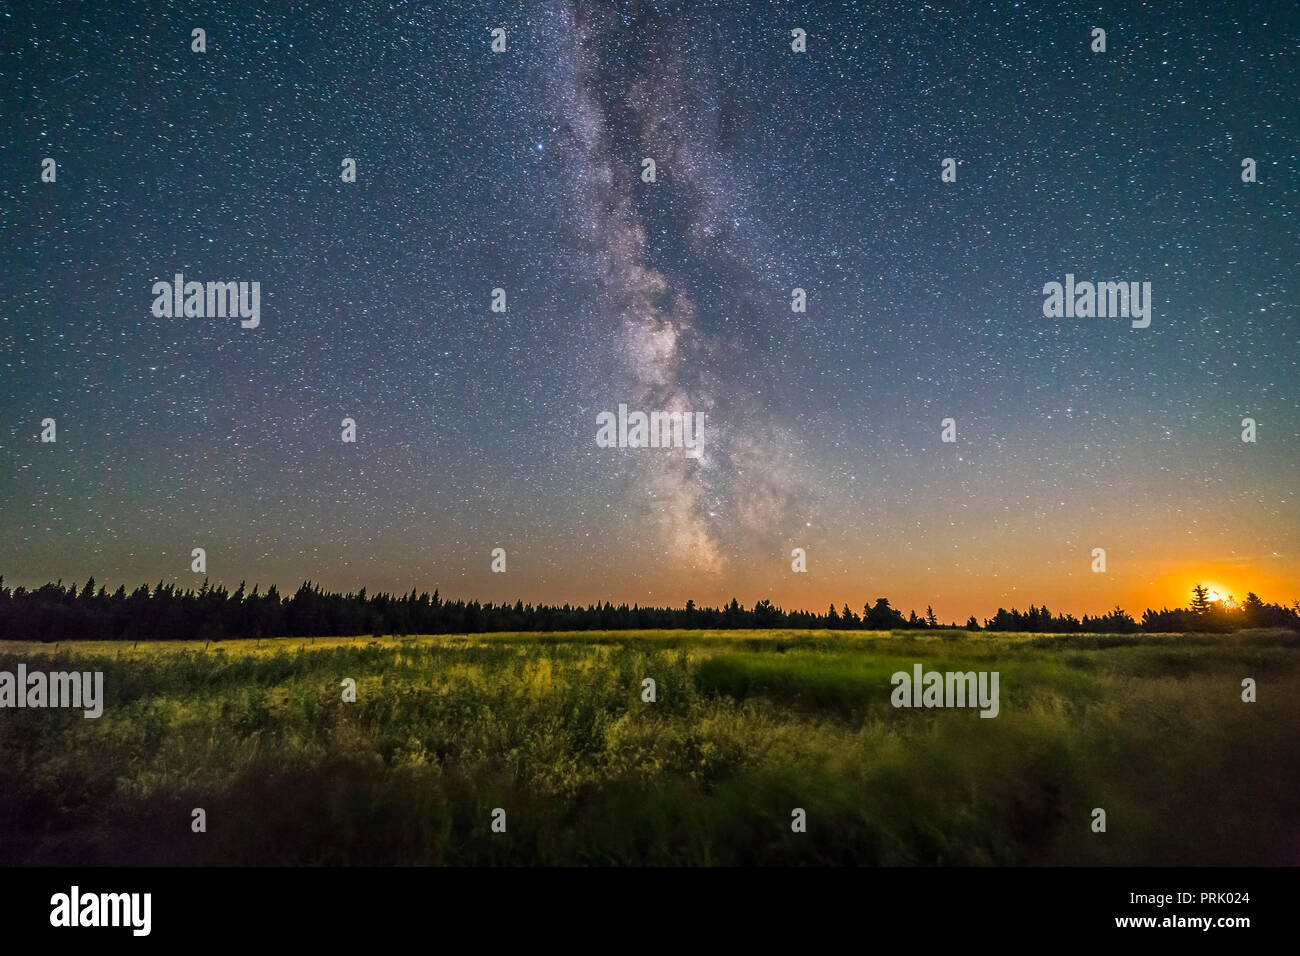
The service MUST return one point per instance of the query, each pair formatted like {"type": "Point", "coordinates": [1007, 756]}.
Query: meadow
{"type": "Point", "coordinates": [746, 726]}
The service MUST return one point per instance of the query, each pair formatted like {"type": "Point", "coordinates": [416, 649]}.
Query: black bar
{"type": "Point", "coordinates": [650, 907]}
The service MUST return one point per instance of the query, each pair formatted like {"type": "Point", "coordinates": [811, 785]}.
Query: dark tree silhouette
{"type": "Point", "coordinates": [1200, 599]}
{"type": "Point", "coordinates": [55, 612]}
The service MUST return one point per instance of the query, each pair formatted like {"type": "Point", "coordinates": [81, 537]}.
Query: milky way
{"type": "Point", "coordinates": [622, 103]}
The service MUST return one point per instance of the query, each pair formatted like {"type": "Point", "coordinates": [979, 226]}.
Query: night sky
{"type": "Point", "coordinates": [775, 170]}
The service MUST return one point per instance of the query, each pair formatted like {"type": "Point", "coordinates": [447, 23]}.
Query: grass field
{"type": "Point", "coordinates": [747, 726]}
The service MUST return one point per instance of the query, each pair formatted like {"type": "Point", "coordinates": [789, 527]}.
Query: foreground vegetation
{"type": "Point", "coordinates": [746, 726]}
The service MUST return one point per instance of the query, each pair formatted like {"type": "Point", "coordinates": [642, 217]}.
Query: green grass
{"type": "Point", "coordinates": [747, 726]}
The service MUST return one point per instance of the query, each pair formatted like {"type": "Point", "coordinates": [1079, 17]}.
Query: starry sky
{"type": "Point", "coordinates": [521, 170]}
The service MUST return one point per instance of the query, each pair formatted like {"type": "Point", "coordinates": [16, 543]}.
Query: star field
{"type": "Point", "coordinates": [776, 170]}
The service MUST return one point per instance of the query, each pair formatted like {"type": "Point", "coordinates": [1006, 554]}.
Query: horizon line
{"type": "Point", "coordinates": [722, 607]}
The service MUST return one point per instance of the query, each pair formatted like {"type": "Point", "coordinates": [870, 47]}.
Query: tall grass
{"type": "Point", "coordinates": [746, 727]}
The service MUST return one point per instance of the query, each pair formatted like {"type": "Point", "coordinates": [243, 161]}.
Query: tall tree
{"type": "Point", "coordinates": [1200, 599]}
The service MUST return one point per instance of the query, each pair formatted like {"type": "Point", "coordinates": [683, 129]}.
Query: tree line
{"type": "Point", "coordinates": [58, 612]}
